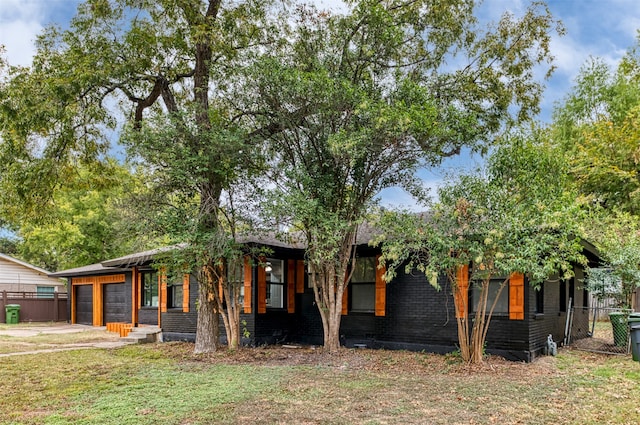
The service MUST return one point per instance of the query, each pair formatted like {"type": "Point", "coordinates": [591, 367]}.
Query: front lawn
{"type": "Point", "coordinates": [166, 384]}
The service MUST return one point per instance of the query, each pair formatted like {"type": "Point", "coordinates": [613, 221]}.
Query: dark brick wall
{"type": "Point", "coordinates": [180, 326]}
{"type": "Point", "coordinates": [175, 321]}
{"type": "Point", "coordinates": [148, 316]}
{"type": "Point", "coordinates": [308, 328]}
{"type": "Point", "coordinates": [418, 313]}
{"type": "Point", "coordinates": [553, 321]}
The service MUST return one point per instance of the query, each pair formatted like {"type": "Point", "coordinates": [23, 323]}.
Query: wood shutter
{"type": "Point", "coordinates": [300, 276]}
{"type": "Point", "coordinates": [163, 289]}
{"type": "Point", "coordinates": [381, 289]}
{"type": "Point", "coordinates": [262, 287]}
{"type": "Point", "coordinates": [135, 295]}
{"type": "Point", "coordinates": [185, 292]}
{"type": "Point", "coordinates": [247, 284]}
{"type": "Point", "coordinates": [516, 296]}
{"type": "Point", "coordinates": [291, 286]}
{"type": "Point", "coordinates": [461, 294]}
{"type": "Point", "coordinates": [345, 300]}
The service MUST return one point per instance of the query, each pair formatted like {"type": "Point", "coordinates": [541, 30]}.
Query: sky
{"type": "Point", "coordinates": [594, 28]}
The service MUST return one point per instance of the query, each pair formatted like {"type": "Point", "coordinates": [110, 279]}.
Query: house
{"type": "Point", "coordinates": [278, 305]}
{"type": "Point", "coordinates": [19, 276]}
{"type": "Point", "coordinates": [41, 298]}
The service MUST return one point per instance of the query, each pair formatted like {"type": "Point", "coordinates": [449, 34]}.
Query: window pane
{"type": "Point", "coordinates": [236, 271]}
{"type": "Point", "coordinates": [364, 270]}
{"type": "Point", "coordinates": [502, 306]}
{"type": "Point", "coordinates": [45, 291]}
{"type": "Point", "coordinates": [150, 289]}
{"type": "Point", "coordinates": [175, 296]}
{"type": "Point", "coordinates": [363, 297]}
{"type": "Point", "coordinates": [275, 270]}
{"type": "Point", "coordinates": [275, 296]}
{"type": "Point", "coordinates": [540, 299]}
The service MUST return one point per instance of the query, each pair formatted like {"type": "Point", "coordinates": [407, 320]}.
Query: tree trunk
{"type": "Point", "coordinates": [207, 327]}
{"type": "Point", "coordinates": [329, 284]}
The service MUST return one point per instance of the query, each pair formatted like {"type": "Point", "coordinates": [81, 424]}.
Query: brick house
{"type": "Point", "coordinates": [278, 305]}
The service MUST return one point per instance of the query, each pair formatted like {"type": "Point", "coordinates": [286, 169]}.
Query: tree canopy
{"type": "Point", "coordinates": [355, 103]}
{"type": "Point", "coordinates": [514, 217]}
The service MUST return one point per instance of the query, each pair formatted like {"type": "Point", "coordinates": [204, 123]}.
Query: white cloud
{"type": "Point", "coordinates": [19, 26]}
{"type": "Point", "coordinates": [18, 38]}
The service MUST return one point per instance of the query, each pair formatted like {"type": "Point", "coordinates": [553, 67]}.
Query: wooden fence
{"type": "Point", "coordinates": [35, 307]}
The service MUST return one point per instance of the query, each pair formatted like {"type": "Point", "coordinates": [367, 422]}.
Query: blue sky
{"type": "Point", "coordinates": [599, 28]}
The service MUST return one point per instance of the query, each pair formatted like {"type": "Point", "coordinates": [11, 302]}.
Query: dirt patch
{"type": "Point", "coordinates": [355, 359]}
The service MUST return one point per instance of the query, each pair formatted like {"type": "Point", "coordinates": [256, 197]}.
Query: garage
{"type": "Point", "coordinates": [114, 301]}
{"type": "Point", "coordinates": [84, 304]}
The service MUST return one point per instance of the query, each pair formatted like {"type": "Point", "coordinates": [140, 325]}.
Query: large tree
{"type": "Point", "coordinates": [166, 63]}
{"type": "Point", "coordinates": [356, 103]}
{"type": "Point", "coordinates": [85, 222]}
{"type": "Point", "coordinates": [517, 217]}
{"type": "Point", "coordinates": [597, 128]}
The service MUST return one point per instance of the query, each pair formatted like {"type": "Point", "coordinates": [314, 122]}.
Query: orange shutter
{"type": "Point", "coordinates": [381, 289]}
{"type": "Point", "coordinates": [345, 301]}
{"type": "Point", "coordinates": [300, 276]}
{"type": "Point", "coordinates": [134, 295]}
{"type": "Point", "coordinates": [221, 283]}
{"type": "Point", "coordinates": [461, 295]}
{"type": "Point", "coordinates": [291, 286]}
{"type": "Point", "coordinates": [97, 303]}
{"type": "Point", "coordinates": [262, 287]}
{"type": "Point", "coordinates": [247, 284]}
{"type": "Point", "coordinates": [163, 290]}
{"type": "Point", "coordinates": [516, 296]}
{"type": "Point", "coordinates": [345, 296]}
{"type": "Point", "coordinates": [185, 293]}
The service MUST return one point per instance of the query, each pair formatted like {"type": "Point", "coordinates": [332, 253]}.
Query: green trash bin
{"type": "Point", "coordinates": [12, 314]}
{"type": "Point", "coordinates": [634, 323]}
{"type": "Point", "coordinates": [620, 328]}
{"type": "Point", "coordinates": [635, 341]}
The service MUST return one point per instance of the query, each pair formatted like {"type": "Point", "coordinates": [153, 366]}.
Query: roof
{"type": "Point", "coordinates": [139, 258]}
{"type": "Point", "coordinates": [91, 269]}
{"type": "Point", "coordinates": [125, 263]}
{"type": "Point", "coordinates": [24, 264]}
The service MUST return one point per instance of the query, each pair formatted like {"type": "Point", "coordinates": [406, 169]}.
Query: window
{"type": "Point", "coordinates": [572, 292]}
{"type": "Point", "coordinates": [540, 299]}
{"type": "Point", "coordinates": [45, 291]}
{"type": "Point", "coordinates": [235, 277]}
{"type": "Point", "coordinates": [274, 270]}
{"type": "Point", "coordinates": [363, 285]}
{"type": "Point", "coordinates": [502, 306]}
{"type": "Point", "coordinates": [563, 295]}
{"type": "Point", "coordinates": [149, 289]}
{"type": "Point", "coordinates": [174, 295]}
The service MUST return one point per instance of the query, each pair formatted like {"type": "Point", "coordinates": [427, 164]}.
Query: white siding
{"type": "Point", "coordinates": [18, 278]}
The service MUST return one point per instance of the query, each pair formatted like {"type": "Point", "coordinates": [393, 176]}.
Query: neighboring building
{"type": "Point", "coordinates": [18, 276]}
{"type": "Point", "coordinates": [406, 313]}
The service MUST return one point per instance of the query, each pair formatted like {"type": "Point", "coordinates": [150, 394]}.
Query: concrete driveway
{"type": "Point", "coordinates": [30, 330]}
{"type": "Point", "coordinates": [26, 330]}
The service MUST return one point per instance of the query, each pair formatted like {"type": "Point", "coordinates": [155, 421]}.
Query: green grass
{"type": "Point", "coordinates": [165, 384]}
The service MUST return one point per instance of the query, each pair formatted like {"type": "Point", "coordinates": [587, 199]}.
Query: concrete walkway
{"type": "Point", "coordinates": [30, 330]}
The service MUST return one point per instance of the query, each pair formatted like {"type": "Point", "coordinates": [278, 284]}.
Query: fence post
{"type": "Point", "coordinates": [55, 307]}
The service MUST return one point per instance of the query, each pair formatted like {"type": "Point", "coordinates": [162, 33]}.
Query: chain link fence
{"type": "Point", "coordinates": [607, 332]}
